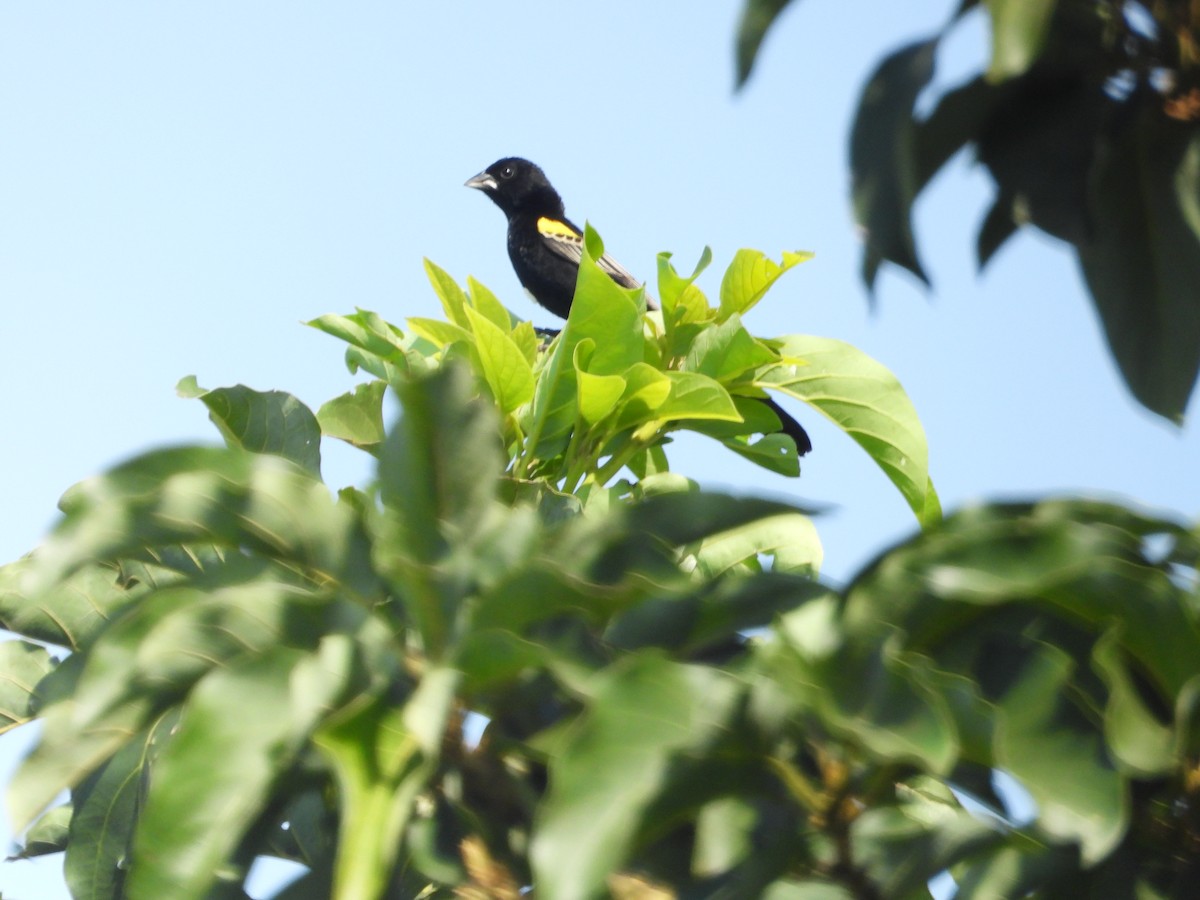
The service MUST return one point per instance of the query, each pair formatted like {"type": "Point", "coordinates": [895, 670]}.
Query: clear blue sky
{"type": "Point", "coordinates": [182, 184]}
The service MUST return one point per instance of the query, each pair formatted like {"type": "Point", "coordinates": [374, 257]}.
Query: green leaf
{"type": "Point", "coordinates": [901, 847]}
{"type": "Point", "coordinates": [191, 495]}
{"type": "Point", "coordinates": [70, 614]}
{"type": "Point", "coordinates": [646, 390]}
{"type": "Point", "coordinates": [22, 666]}
{"type": "Point", "coordinates": [1056, 754]}
{"type": "Point", "coordinates": [375, 345]}
{"type": "Point", "coordinates": [381, 767]}
{"type": "Point", "coordinates": [356, 417]}
{"type": "Point", "coordinates": [883, 159]}
{"type": "Point", "coordinates": [106, 807]}
{"type": "Point", "coordinates": [1019, 31]}
{"type": "Point", "coordinates": [868, 403]}
{"type": "Point", "coordinates": [505, 368]}
{"type": "Point", "coordinates": [486, 304]}
{"type": "Point", "coordinates": [749, 277]}
{"type": "Point", "coordinates": [49, 834]}
{"type": "Point", "coordinates": [695, 396]}
{"type": "Point", "coordinates": [1141, 258]}
{"type": "Point", "coordinates": [144, 664]}
{"type": "Point", "coordinates": [242, 727]}
{"type": "Point", "coordinates": [790, 536]}
{"type": "Point", "coordinates": [757, 17]}
{"type": "Point", "coordinates": [644, 712]}
{"type": "Point", "coordinates": [438, 332]}
{"type": "Point", "coordinates": [726, 350]}
{"type": "Point", "coordinates": [440, 464]}
{"type": "Point", "coordinates": [1135, 736]}
{"type": "Point", "coordinates": [261, 422]}
{"type": "Point", "coordinates": [609, 317]}
{"type": "Point", "coordinates": [454, 299]}
{"type": "Point", "coordinates": [598, 395]}
{"type": "Point", "coordinates": [685, 308]}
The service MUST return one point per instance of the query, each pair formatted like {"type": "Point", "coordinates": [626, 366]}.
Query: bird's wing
{"type": "Point", "coordinates": [565, 240]}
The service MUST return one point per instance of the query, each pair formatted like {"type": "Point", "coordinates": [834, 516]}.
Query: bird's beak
{"type": "Point", "coordinates": [483, 181]}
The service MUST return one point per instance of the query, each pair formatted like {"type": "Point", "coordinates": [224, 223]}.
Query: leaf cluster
{"type": "Point", "coordinates": [529, 655]}
{"type": "Point", "coordinates": [1087, 119]}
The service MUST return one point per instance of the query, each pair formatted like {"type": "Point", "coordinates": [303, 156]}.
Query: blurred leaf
{"type": "Point", "coordinates": [22, 666]}
{"type": "Point", "coordinates": [356, 417]}
{"type": "Point", "coordinates": [1052, 750]}
{"type": "Point", "coordinates": [141, 666]}
{"type": "Point", "coordinates": [900, 848]}
{"type": "Point", "coordinates": [1135, 736]}
{"type": "Point", "coordinates": [884, 161]}
{"type": "Point", "coordinates": [257, 503]}
{"type": "Point", "coordinates": [382, 756]}
{"type": "Point", "coordinates": [1019, 31]}
{"type": "Point", "coordinates": [757, 17]}
{"type": "Point", "coordinates": [954, 123]}
{"type": "Point", "coordinates": [440, 464]}
{"type": "Point", "coordinates": [261, 422]}
{"type": "Point", "coordinates": [749, 277]}
{"type": "Point", "coordinates": [791, 535]}
{"type": "Point", "coordinates": [644, 711]}
{"type": "Point", "coordinates": [868, 403]}
{"type": "Point", "coordinates": [997, 227]}
{"type": "Point", "coordinates": [1142, 257]}
{"type": "Point", "coordinates": [242, 727]}
{"type": "Point", "coordinates": [106, 806]}
{"type": "Point", "coordinates": [67, 615]}
{"type": "Point", "coordinates": [49, 834]}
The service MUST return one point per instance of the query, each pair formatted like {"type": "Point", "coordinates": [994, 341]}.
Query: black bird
{"type": "Point", "coordinates": [545, 248]}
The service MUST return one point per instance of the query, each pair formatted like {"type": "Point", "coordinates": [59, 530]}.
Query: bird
{"type": "Point", "coordinates": [545, 248]}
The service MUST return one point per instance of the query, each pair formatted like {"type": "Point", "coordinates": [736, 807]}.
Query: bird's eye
{"type": "Point", "coordinates": [508, 171]}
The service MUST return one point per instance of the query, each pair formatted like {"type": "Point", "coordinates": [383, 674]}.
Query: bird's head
{"type": "Point", "coordinates": [517, 185]}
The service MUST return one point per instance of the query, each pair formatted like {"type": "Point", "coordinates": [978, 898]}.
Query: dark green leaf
{"type": "Point", "coordinates": [883, 158]}
{"type": "Point", "coordinates": [757, 17]}
{"type": "Point", "coordinates": [262, 421]}
{"type": "Point", "coordinates": [188, 495]}
{"type": "Point", "coordinates": [1142, 258]}
{"type": "Point", "coordinates": [49, 834]}
{"type": "Point", "coordinates": [106, 805]}
{"type": "Point", "coordinates": [998, 226]}
{"type": "Point", "coordinates": [901, 847]}
{"type": "Point", "coordinates": [240, 730]}
{"type": "Point", "coordinates": [67, 614]}
{"type": "Point", "coordinates": [440, 464]}
{"type": "Point", "coordinates": [22, 666]}
{"type": "Point", "coordinates": [644, 711]}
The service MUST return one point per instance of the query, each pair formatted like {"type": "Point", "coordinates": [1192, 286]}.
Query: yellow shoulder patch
{"type": "Point", "coordinates": [555, 228]}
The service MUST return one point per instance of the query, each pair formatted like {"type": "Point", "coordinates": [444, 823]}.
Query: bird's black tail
{"type": "Point", "coordinates": [791, 427]}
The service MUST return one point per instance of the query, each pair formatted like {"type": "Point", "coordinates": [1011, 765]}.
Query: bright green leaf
{"type": "Point", "coordinates": [749, 277]}
{"type": "Point", "coordinates": [868, 403]}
